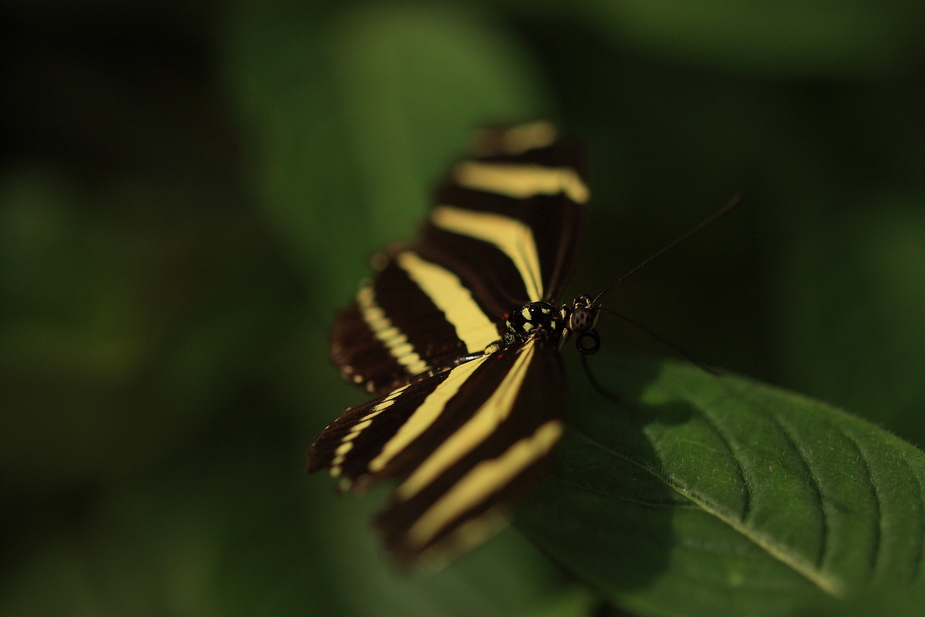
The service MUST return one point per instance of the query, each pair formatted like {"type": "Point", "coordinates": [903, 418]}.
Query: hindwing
{"type": "Point", "coordinates": [463, 442]}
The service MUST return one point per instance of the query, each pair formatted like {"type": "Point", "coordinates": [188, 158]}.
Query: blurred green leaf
{"type": "Point", "coordinates": [851, 307]}
{"type": "Point", "coordinates": [699, 495]}
{"type": "Point", "coordinates": [851, 38]}
{"type": "Point", "coordinates": [117, 336]}
{"type": "Point", "coordinates": [356, 114]}
{"type": "Point", "coordinates": [237, 529]}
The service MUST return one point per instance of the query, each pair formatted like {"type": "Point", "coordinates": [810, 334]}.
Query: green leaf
{"type": "Point", "coordinates": [854, 37]}
{"type": "Point", "coordinates": [689, 494]}
{"type": "Point", "coordinates": [117, 336]}
{"type": "Point", "coordinates": [355, 112]}
{"type": "Point", "coordinates": [850, 306]}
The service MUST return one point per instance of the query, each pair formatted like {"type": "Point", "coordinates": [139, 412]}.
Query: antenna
{"type": "Point", "coordinates": [690, 356]}
{"type": "Point", "coordinates": [595, 306]}
{"type": "Point", "coordinates": [729, 207]}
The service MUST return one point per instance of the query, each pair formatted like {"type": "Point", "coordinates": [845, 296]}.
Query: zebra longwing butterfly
{"type": "Point", "coordinates": [457, 338]}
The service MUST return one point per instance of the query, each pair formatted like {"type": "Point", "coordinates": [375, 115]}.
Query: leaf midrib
{"type": "Point", "coordinates": [828, 584]}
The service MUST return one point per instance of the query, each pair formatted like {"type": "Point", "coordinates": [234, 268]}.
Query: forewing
{"type": "Point", "coordinates": [361, 445]}
{"type": "Point", "coordinates": [504, 232]}
{"type": "Point", "coordinates": [400, 327]}
{"type": "Point", "coordinates": [509, 221]}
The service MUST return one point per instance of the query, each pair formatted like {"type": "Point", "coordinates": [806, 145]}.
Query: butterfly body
{"type": "Point", "coordinates": [457, 338]}
{"type": "Point", "coordinates": [532, 320]}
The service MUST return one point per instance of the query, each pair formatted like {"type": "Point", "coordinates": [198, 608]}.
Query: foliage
{"type": "Point", "coordinates": [188, 191]}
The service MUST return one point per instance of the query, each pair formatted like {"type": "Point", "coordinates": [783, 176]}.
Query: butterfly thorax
{"type": "Point", "coordinates": [532, 320]}
{"type": "Point", "coordinates": [555, 325]}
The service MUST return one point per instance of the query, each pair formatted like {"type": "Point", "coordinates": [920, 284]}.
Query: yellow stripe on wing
{"type": "Point", "coordinates": [517, 139]}
{"type": "Point", "coordinates": [346, 442]}
{"type": "Point", "coordinates": [393, 340]}
{"type": "Point", "coordinates": [485, 479]}
{"type": "Point", "coordinates": [511, 236]}
{"type": "Point", "coordinates": [425, 415]}
{"type": "Point", "coordinates": [475, 431]}
{"type": "Point", "coordinates": [446, 291]}
{"type": "Point", "coordinates": [521, 181]}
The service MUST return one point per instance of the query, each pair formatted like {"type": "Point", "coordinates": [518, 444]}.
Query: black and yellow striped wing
{"type": "Point", "coordinates": [504, 232]}
{"type": "Point", "coordinates": [461, 421]}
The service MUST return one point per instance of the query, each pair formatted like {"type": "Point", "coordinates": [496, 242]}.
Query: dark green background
{"type": "Point", "coordinates": [189, 191]}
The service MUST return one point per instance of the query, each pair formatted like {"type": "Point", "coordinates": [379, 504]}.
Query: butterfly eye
{"type": "Point", "coordinates": [583, 318]}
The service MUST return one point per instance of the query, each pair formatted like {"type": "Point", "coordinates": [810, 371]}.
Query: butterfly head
{"type": "Point", "coordinates": [582, 318]}
{"type": "Point", "coordinates": [583, 315]}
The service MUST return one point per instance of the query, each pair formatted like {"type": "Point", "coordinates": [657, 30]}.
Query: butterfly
{"type": "Point", "coordinates": [457, 338]}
